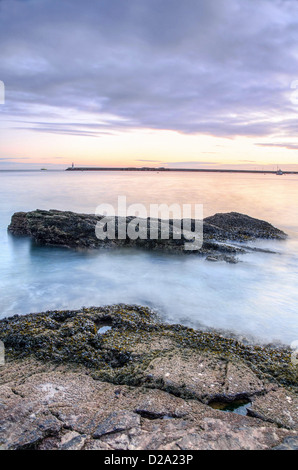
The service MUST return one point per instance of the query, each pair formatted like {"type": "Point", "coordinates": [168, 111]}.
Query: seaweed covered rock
{"type": "Point", "coordinates": [235, 226]}
{"type": "Point", "coordinates": [117, 378]}
{"type": "Point", "coordinates": [78, 231]}
{"type": "Point", "coordinates": [115, 339]}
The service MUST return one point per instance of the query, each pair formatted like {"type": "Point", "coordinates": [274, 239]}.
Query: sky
{"type": "Point", "coordinates": [193, 83]}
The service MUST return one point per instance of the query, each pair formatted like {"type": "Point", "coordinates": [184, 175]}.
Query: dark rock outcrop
{"type": "Point", "coordinates": [235, 226]}
{"type": "Point", "coordinates": [73, 230]}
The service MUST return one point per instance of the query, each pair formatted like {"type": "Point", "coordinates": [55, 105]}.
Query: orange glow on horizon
{"type": "Point", "coordinates": [142, 148]}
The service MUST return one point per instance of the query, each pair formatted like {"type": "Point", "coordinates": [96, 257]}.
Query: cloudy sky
{"type": "Point", "coordinates": [149, 82]}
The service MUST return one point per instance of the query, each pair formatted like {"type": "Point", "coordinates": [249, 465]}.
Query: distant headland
{"type": "Point", "coordinates": [199, 170]}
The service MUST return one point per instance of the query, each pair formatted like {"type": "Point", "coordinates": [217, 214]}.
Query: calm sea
{"type": "Point", "coordinates": [256, 298]}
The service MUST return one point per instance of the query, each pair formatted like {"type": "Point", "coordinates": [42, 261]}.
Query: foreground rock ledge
{"type": "Point", "coordinates": [73, 230]}
{"type": "Point", "coordinates": [116, 378]}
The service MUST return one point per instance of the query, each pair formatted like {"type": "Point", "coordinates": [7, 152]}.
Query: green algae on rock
{"type": "Point", "coordinates": [73, 230]}
{"type": "Point", "coordinates": [139, 384]}
{"type": "Point", "coordinates": [135, 341]}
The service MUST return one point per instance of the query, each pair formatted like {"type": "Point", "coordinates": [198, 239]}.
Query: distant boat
{"type": "Point", "coordinates": [43, 169]}
{"type": "Point", "coordinates": [279, 172]}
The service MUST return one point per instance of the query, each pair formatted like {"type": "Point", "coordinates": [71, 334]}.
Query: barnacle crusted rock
{"type": "Point", "coordinates": [73, 230]}
{"type": "Point", "coordinates": [141, 384]}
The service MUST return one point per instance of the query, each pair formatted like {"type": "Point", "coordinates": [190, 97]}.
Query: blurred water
{"type": "Point", "coordinates": [256, 297]}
